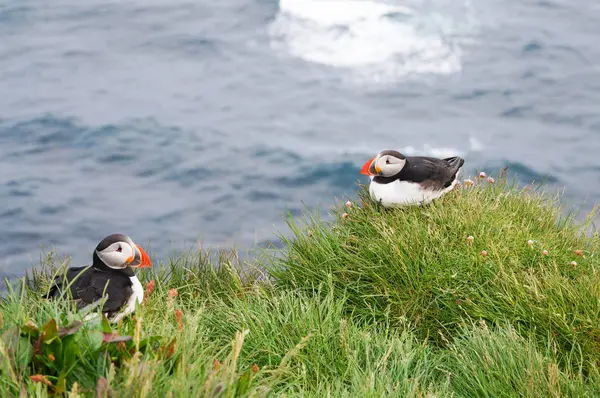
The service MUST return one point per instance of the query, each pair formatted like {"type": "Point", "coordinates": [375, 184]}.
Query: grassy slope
{"type": "Point", "coordinates": [381, 303]}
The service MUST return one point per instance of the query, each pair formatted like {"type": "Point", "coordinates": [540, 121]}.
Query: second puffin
{"type": "Point", "coordinates": [111, 274]}
{"type": "Point", "coordinates": [398, 180]}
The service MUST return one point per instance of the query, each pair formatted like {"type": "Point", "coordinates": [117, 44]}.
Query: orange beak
{"type": "Point", "coordinates": [146, 263]}
{"type": "Point", "coordinates": [365, 169]}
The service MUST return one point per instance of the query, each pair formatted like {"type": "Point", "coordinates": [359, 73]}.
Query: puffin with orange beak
{"type": "Point", "coordinates": [111, 274]}
{"type": "Point", "coordinates": [398, 180]}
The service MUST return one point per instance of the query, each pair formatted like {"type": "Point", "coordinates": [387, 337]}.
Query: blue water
{"type": "Point", "coordinates": [180, 122]}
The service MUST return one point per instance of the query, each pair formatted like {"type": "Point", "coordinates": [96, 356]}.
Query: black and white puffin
{"type": "Point", "coordinates": [111, 273]}
{"type": "Point", "coordinates": [398, 180]}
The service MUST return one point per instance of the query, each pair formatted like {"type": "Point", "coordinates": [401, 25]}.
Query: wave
{"type": "Point", "coordinates": [380, 41]}
{"type": "Point", "coordinates": [528, 175]}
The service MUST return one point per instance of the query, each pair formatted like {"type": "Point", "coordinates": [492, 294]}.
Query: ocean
{"type": "Point", "coordinates": [185, 123]}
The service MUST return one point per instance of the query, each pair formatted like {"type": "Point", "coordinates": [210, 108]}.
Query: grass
{"type": "Point", "coordinates": [377, 303]}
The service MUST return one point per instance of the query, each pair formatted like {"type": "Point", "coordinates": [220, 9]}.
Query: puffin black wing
{"type": "Point", "coordinates": [90, 285]}
{"type": "Point", "coordinates": [61, 282]}
{"type": "Point", "coordinates": [432, 173]}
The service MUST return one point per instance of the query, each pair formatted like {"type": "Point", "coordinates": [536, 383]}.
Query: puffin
{"type": "Point", "coordinates": [398, 180]}
{"type": "Point", "coordinates": [111, 274]}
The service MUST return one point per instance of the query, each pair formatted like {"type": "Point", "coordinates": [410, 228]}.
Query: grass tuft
{"type": "Point", "coordinates": [464, 258]}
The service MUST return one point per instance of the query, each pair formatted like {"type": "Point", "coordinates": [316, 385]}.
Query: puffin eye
{"type": "Point", "coordinates": [119, 249]}
{"type": "Point", "coordinates": [387, 161]}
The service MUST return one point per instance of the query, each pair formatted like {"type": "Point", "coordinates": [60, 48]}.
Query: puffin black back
{"type": "Point", "coordinates": [421, 168]}
{"type": "Point", "coordinates": [57, 288]}
{"type": "Point", "coordinates": [89, 284]}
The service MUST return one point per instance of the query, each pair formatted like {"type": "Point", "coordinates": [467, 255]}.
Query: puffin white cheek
{"type": "Point", "coordinates": [401, 164]}
{"type": "Point", "coordinates": [391, 169]}
{"type": "Point", "coordinates": [113, 259]}
{"type": "Point", "coordinates": [128, 254]}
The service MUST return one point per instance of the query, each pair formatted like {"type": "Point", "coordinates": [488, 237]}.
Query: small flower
{"type": "Point", "coordinates": [51, 357]}
{"type": "Point", "coordinates": [484, 253]}
{"type": "Point", "coordinates": [255, 368]}
{"type": "Point", "coordinates": [482, 175]}
{"type": "Point", "coordinates": [171, 295]}
{"type": "Point", "coordinates": [348, 204]}
{"type": "Point", "coordinates": [345, 215]}
{"type": "Point", "coordinates": [573, 264]}
{"type": "Point", "coordinates": [179, 317]}
{"type": "Point", "coordinates": [310, 233]}
{"type": "Point", "coordinates": [470, 239]}
{"type": "Point", "coordinates": [150, 287]}
{"type": "Point", "coordinates": [216, 364]}
{"type": "Point", "coordinates": [149, 290]}
{"type": "Point", "coordinates": [490, 180]}
{"type": "Point", "coordinates": [579, 252]}
{"type": "Point", "coordinates": [458, 302]}
{"type": "Point", "coordinates": [468, 182]}
{"type": "Point", "coordinates": [530, 242]}
{"type": "Point", "coordinates": [40, 379]}
{"type": "Point", "coordinates": [544, 252]}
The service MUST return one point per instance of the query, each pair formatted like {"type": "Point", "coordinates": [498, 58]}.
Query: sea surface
{"type": "Point", "coordinates": [183, 122]}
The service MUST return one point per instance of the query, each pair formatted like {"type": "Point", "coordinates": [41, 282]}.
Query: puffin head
{"type": "Point", "coordinates": [118, 251]}
{"type": "Point", "coordinates": [386, 164]}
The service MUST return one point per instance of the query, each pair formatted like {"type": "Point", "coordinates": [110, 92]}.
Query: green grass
{"type": "Point", "coordinates": [379, 303]}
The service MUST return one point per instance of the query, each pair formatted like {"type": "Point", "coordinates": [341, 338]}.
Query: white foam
{"type": "Point", "coordinates": [338, 12]}
{"type": "Point", "coordinates": [441, 152]}
{"type": "Point", "coordinates": [425, 150]}
{"type": "Point", "coordinates": [342, 152]}
{"type": "Point", "coordinates": [368, 37]}
{"type": "Point", "coordinates": [475, 145]}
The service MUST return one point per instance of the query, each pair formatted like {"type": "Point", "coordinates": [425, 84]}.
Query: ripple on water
{"type": "Point", "coordinates": [23, 186]}
{"type": "Point", "coordinates": [15, 13]}
{"type": "Point", "coordinates": [517, 111]}
{"type": "Point", "coordinates": [11, 213]}
{"type": "Point", "coordinates": [188, 176]}
{"type": "Point", "coordinates": [51, 210]}
{"type": "Point", "coordinates": [339, 174]}
{"type": "Point", "coordinates": [45, 131]}
{"type": "Point", "coordinates": [472, 95]}
{"type": "Point", "coordinates": [277, 155]}
{"type": "Point", "coordinates": [532, 47]}
{"type": "Point", "coordinates": [263, 195]}
{"type": "Point", "coordinates": [526, 174]}
{"type": "Point", "coordinates": [19, 241]}
{"type": "Point", "coordinates": [187, 44]}
{"type": "Point", "coordinates": [121, 158]}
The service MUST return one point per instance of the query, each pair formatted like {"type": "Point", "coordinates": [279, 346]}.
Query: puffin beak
{"type": "Point", "coordinates": [366, 169]}
{"type": "Point", "coordinates": [146, 263]}
{"type": "Point", "coordinates": [140, 260]}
